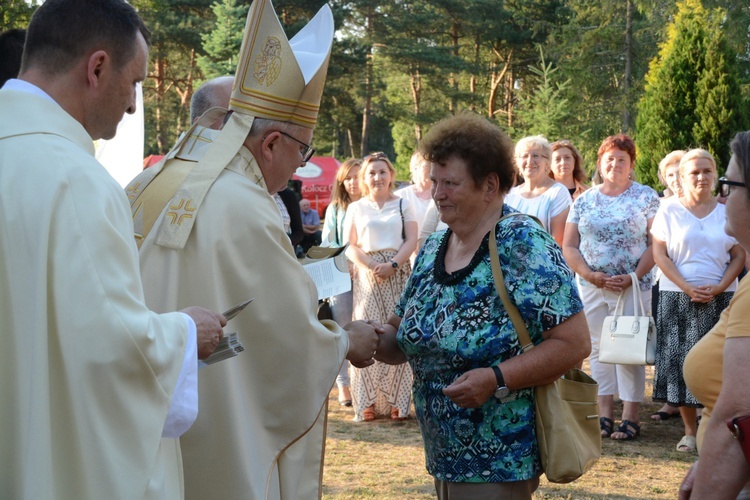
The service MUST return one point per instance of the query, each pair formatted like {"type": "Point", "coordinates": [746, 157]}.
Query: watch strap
{"type": "Point", "coordinates": [498, 376]}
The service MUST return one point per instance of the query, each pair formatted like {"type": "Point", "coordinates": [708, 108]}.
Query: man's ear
{"type": "Point", "coordinates": [98, 63]}
{"type": "Point", "coordinates": [269, 145]}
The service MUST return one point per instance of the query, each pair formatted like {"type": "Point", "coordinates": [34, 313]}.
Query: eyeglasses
{"type": "Point", "coordinates": [376, 156]}
{"type": "Point", "coordinates": [533, 156]}
{"type": "Point", "coordinates": [725, 186]}
{"type": "Point", "coordinates": [307, 152]}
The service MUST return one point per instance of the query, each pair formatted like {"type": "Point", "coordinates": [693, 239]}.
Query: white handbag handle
{"type": "Point", "coordinates": [638, 308]}
{"type": "Point", "coordinates": [637, 299]}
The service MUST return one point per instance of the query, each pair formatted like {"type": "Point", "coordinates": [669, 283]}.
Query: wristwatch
{"type": "Point", "coordinates": [502, 390]}
{"type": "Point", "coordinates": [394, 264]}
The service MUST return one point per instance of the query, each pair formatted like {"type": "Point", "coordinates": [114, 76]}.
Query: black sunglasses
{"type": "Point", "coordinates": [725, 186]}
{"type": "Point", "coordinates": [307, 152]}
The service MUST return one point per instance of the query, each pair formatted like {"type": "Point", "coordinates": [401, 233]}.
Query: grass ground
{"type": "Point", "coordinates": [384, 459]}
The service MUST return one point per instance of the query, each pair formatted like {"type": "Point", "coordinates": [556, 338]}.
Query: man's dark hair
{"type": "Point", "coordinates": [11, 50]}
{"type": "Point", "coordinates": [63, 31]}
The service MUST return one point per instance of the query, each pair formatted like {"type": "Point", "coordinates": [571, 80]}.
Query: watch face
{"type": "Point", "coordinates": [502, 392]}
{"type": "Point", "coordinates": [394, 265]}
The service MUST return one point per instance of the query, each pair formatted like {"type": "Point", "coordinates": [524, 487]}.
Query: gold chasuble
{"type": "Point", "coordinates": [87, 372]}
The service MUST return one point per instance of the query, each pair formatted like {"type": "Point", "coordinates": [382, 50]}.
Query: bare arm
{"type": "Point", "coordinates": [722, 470]}
{"type": "Point", "coordinates": [564, 346]}
{"type": "Point", "coordinates": [354, 252]}
{"type": "Point", "coordinates": [557, 226]}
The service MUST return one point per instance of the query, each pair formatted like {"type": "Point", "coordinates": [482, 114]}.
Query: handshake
{"type": "Point", "coordinates": [364, 339]}
{"type": "Point", "coordinates": [364, 336]}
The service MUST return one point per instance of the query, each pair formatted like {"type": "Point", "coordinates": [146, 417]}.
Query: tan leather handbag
{"type": "Point", "coordinates": [567, 412]}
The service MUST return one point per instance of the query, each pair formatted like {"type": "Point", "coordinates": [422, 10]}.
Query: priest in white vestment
{"type": "Point", "coordinates": [89, 376]}
{"type": "Point", "coordinates": [209, 232]}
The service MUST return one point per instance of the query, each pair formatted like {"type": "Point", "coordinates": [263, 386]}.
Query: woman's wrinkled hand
{"type": "Point", "coordinates": [598, 279]}
{"type": "Point", "coordinates": [473, 388]}
{"type": "Point", "coordinates": [702, 294]}
{"type": "Point", "coordinates": [618, 283]}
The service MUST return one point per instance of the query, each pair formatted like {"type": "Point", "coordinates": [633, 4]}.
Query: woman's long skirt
{"type": "Point", "coordinates": [383, 385]}
{"type": "Point", "coordinates": [680, 324]}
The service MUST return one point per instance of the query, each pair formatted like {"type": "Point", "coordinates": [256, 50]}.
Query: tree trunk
{"type": "Point", "coordinates": [453, 105]}
{"type": "Point", "coordinates": [368, 87]}
{"type": "Point", "coordinates": [496, 81]}
{"type": "Point", "coordinates": [161, 133]}
{"type": "Point", "coordinates": [416, 93]}
{"type": "Point", "coordinates": [473, 79]}
{"type": "Point", "coordinates": [626, 116]}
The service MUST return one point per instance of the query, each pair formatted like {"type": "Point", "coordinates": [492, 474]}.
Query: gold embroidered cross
{"type": "Point", "coordinates": [177, 212]}
{"type": "Point", "coordinates": [133, 191]}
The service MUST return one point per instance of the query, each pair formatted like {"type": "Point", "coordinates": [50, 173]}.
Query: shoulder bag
{"type": "Point", "coordinates": [628, 340]}
{"type": "Point", "coordinates": [567, 412]}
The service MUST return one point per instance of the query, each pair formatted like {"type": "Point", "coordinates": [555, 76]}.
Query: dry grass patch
{"type": "Point", "coordinates": [384, 459]}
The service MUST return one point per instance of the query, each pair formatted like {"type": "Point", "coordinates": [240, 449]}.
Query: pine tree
{"type": "Point", "coordinates": [691, 97]}
{"type": "Point", "coordinates": [544, 110]}
{"type": "Point", "coordinates": [222, 45]}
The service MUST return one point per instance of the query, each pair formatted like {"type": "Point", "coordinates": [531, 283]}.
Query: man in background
{"type": "Point", "coordinates": [310, 225]}
{"type": "Point", "coordinates": [209, 231]}
{"type": "Point", "coordinates": [91, 378]}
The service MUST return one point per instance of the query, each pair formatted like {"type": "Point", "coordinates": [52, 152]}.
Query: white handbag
{"type": "Point", "coordinates": [628, 340]}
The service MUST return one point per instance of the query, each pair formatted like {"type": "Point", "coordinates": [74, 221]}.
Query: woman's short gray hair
{"type": "Point", "coordinates": [534, 141]}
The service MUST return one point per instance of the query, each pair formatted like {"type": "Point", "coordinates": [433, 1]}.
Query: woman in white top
{"type": "Point", "coordinates": [669, 177]}
{"type": "Point", "coordinates": [345, 192]}
{"type": "Point", "coordinates": [382, 236]}
{"type": "Point", "coordinates": [700, 264]}
{"type": "Point", "coordinates": [540, 195]}
{"type": "Point", "coordinates": [418, 192]}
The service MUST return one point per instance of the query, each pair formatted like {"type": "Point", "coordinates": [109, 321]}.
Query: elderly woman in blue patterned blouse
{"type": "Point", "coordinates": [473, 389]}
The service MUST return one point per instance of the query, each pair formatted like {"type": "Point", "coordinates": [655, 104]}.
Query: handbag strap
{"type": "Point", "coordinates": [401, 211]}
{"type": "Point", "coordinates": [638, 308]}
{"type": "Point", "coordinates": [502, 291]}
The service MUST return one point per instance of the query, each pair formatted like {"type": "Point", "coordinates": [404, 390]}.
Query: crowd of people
{"type": "Point", "coordinates": [101, 381]}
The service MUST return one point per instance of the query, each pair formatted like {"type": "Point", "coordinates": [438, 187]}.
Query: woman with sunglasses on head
{"type": "Point", "coordinates": [699, 264]}
{"type": "Point", "coordinates": [345, 192]}
{"type": "Point", "coordinates": [717, 369]}
{"type": "Point", "coordinates": [567, 167]}
{"type": "Point", "coordinates": [382, 236]}
{"type": "Point", "coordinates": [540, 195]}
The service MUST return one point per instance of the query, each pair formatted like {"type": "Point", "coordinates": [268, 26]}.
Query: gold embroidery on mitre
{"type": "Point", "coordinates": [270, 82]}
{"type": "Point", "coordinates": [268, 62]}
{"type": "Point", "coordinates": [180, 211]}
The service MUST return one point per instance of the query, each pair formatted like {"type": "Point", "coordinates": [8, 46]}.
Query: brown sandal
{"type": "Point", "coordinates": [369, 414]}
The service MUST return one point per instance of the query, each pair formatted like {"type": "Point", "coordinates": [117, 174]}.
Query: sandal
{"type": "Point", "coordinates": [630, 429]}
{"type": "Point", "coordinates": [661, 416]}
{"type": "Point", "coordinates": [606, 425]}
{"type": "Point", "coordinates": [687, 444]}
{"type": "Point", "coordinates": [369, 414]}
{"type": "Point", "coordinates": [394, 414]}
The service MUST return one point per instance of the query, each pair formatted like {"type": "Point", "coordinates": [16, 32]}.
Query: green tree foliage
{"type": "Point", "coordinates": [16, 13]}
{"type": "Point", "coordinates": [692, 92]}
{"type": "Point", "coordinates": [222, 44]}
{"type": "Point", "coordinates": [544, 110]}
